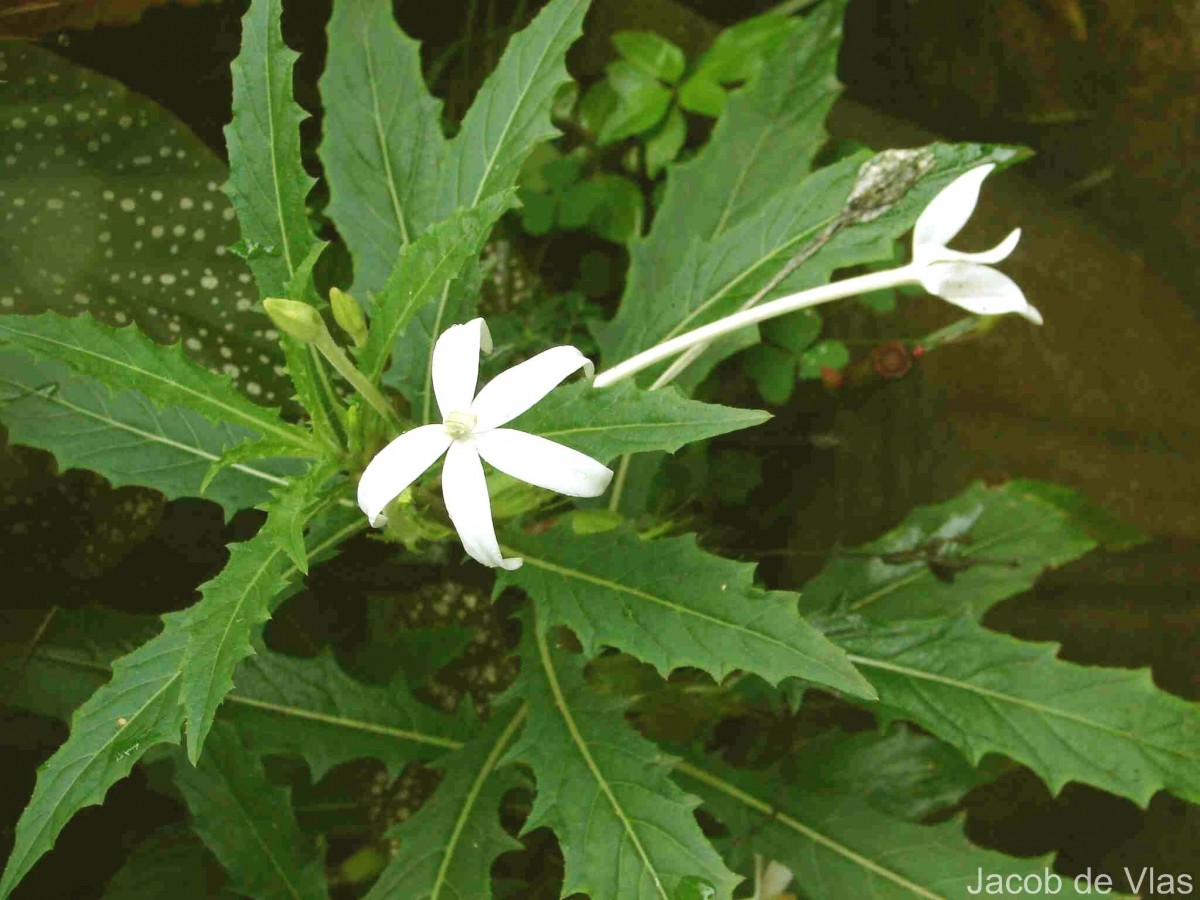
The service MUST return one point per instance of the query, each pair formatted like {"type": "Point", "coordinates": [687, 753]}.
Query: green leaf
{"type": "Point", "coordinates": [703, 96]}
{"type": "Point", "coordinates": [114, 206]}
{"type": "Point", "coordinates": [900, 772]}
{"type": "Point", "coordinates": [768, 140]}
{"type": "Point", "coordinates": [697, 281]}
{"type": "Point", "coordinates": [447, 849]}
{"type": "Point", "coordinates": [618, 210]}
{"type": "Point", "coordinates": [511, 113]}
{"type": "Point", "coordinates": [312, 708]}
{"type": "Point", "coordinates": [626, 419]}
{"type": "Point", "coordinates": [739, 50]}
{"type": "Point", "coordinates": [420, 276]}
{"type": "Point", "coordinates": [773, 372]}
{"type": "Point", "coordinates": [411, 371]}
{"type": "Point", "coordinates": [125, 359]}
{"type": "Point", "coordinates": [170, 860]}
{"type": "Point", "coordinates": [654, 55]}
{"type": "Point", "coordinates": [795, 331]}
{"type": "Point", "coordinates": [838, 846]}
{"type": "Point", "coordinates": [382, 144]}
{"type": "Point", "coordinates": [979, 534]}
{"type": "Point", "coordinates": [585, 757]}
{"type": "Point", "coordinates": [125, 437]}
{"type": "Point", "coordinates": [138, 709]}
{"type": "Point", "coordinates": [664, 145]}
{"type": "Point", "coordinates": [267, 181]}
{"type": "Point", "coordinates": [670, 604]}
{"type": "Point", "coordinates": [291, 509]}
{"type": "Point", "coordinates": [820, 356]}
{"type": "Point", "coordinates": [1107, 529]}
{"type": "Point", "coordinates": [247, 822]}
{"type": "Point", "coordinates": [280, 704]}
{"type": "Point", "coordinates": [224, 624]}
{"type": "Point", "coordinates": [641, 102]}
{"type": "Point", "coordinates": [990, 693]}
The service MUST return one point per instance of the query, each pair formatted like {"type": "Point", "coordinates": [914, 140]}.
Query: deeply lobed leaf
{"type": "Point", "coordinates": [447, 849]}
{"type": "Point", "coordinates": [639, 838]}
{"type": "Point", "coordinates": [838, 846]}
{"type": "Point", "coordinates": [669, 603]}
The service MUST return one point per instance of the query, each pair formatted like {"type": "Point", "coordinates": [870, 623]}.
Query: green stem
{"type": "Point", "coordinates": [341, 362]}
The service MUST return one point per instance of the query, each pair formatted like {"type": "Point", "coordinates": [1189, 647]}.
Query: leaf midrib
{"type": "Point", "coordinates": [249, 418]}
{"type": "Point", "coordinates": [663, 601]}
{"type": "Point", "coordinates": [1049, 711]}
{"type": "Point", "coordinates": [560, 701]}
{"type": "Point", "coordinates": [150, 436]}
{"type": "Point", "coordinates": [460, 821]}
{"type": "Point", "coordinates": [800, 828]}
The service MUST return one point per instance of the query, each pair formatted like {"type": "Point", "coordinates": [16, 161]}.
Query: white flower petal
{"type": "Point", "coordinates": [464, 489]}
{"type": "Point", "coordinates": [977, 289]}
{"type": "Point", "coordinates": [543, 463]}
{"type": "Point", "coordinates": [456, 364]}
{"type": "Point", "coordinates": [949, 211]}
{"type": "Point", "coordinates": [397, 466]}
{"type": "Point", "coordinates": [999, 253]}
{"type": "Point", "coordinates": [512, 392]}
{"type": "Point", "coordinates": [775, 880]}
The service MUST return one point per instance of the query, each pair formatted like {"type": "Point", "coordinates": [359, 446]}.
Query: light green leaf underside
{"type": "Point", "coordinates": [838, 846]}
{"type": "Point", "coordinates": [996, 527]}
{"type": "Point", "coordinates": [138, 708]}
{"type": "Point", "coordinates": [247, 822]}
{"type": "Point", "coordinates": [625, 419]}
{"type": "Point", "coordinates": [114, 206]}
{"type": "Point", "coordinates": [422, 271]}
{"type": "Point", "coordinates": [669, 603]}
{"type": "Point", "coordinates": [125, 359]}
{"type": "Point", "coordinates": [382, 145]}
{"type": "Point", "coordinates": [447, 849]}
{"type": "Point", "coordinates": [511, 113]}
{"type": "Point", "coordinates": [639, 838]}
{"type": "Point", "coordinates": [125, 437]}
{"type": "Point", "coordinates": [985, 692]}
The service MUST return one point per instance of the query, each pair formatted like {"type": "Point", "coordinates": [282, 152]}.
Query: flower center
{"type": "Point", "coordinates": [459, 424]}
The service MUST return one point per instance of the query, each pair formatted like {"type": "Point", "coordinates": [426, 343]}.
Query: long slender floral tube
{"type": "Point", "coordinates": [964, 279]}
{"type": "Point", "coordinates": [861, 284]}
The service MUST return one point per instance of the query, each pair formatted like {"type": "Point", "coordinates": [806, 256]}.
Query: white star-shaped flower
{"type": "Point", "coordinates": [965, 279]}
{"type": "Point", "coordinates": [470, 432]}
